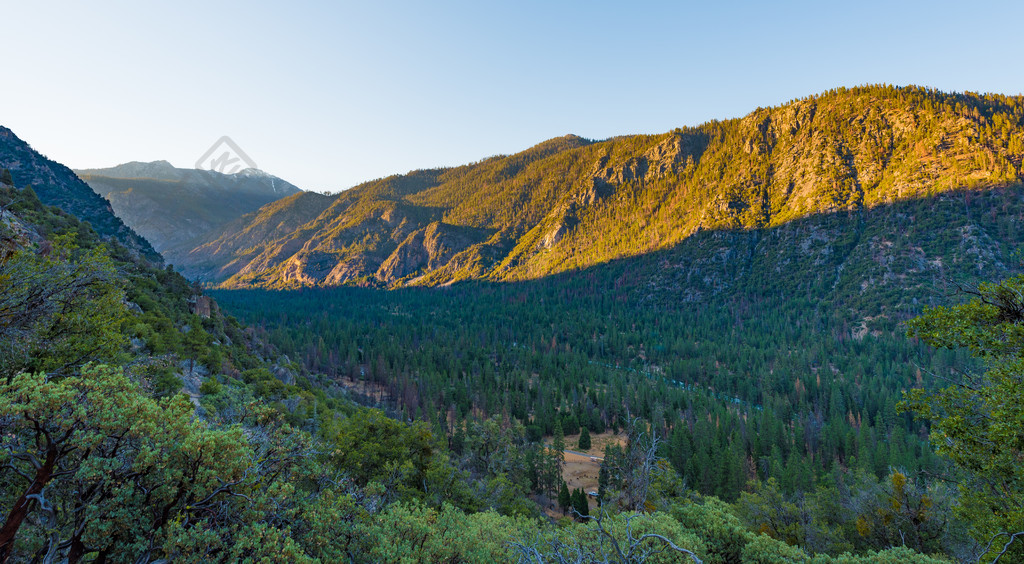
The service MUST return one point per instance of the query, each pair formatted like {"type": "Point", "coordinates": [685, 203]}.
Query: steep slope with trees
{"type": "Point", "coordinates": [570, 203]}
{"type": "Point", "coordinates": [109, 452]}
{"type": "Point", "coordinates": [56, 185]}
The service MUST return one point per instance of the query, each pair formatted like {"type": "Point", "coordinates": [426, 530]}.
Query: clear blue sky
{"type": "Point", "coordinates": [329, 94]}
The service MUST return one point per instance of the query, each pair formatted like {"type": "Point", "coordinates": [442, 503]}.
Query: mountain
{"type": "Point", "coordinates": [571, 203]}
{"type": "Point", "coordinates": [771, 392]}
{"type": "Point", "coordinates": [56, 185]}
{"type": "Point", "coordinates": [176, 208]}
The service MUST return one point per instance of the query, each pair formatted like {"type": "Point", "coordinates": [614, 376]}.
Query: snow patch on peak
{"type": "Point", "coordinates": [254, 172]}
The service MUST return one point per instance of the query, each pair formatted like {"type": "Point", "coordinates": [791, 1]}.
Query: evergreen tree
{"type": "Point", "coordinates": [578, 499]}
{"type": "Point", "coordinates": [558, 440]}
{"type": "Point", "coordinates": [555, 458]}
{"type": "Point", "coordinates": [602, 483]}
{"type": "Point", "coordinates": [976, 422]}
{"type": "Point", "coordinates": [584, 442]}
{"type": "Point", "coordinates": [459, 438]}
{"type": "Point", "coordinates": [574, 501]}
{"type": "Point", "coordinates": [564, 497]}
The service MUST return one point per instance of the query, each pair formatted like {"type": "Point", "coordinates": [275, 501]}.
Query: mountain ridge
{"type": "Point", "coordinates": [176, 208]}
{"type": "Point", "coordinates": [57, 185]}
{"type": "Point", "coordinates": [568, 203]}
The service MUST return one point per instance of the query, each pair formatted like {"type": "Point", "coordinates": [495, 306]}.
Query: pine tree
{"type": "Point", "coordinates": [459, 438]}
{"type": "Point", "coordinates": [584, 442]}
{"type": "Point", "coordinates": [579, 502]}
{"type": "Point", "coordinates": [574, 500]}
{"type": "Point", "coordinates": [564, 497]}
{"type": "Point", "coordinates": [557, 457]}
{"type": "Point", "coordinates": [602, 483]}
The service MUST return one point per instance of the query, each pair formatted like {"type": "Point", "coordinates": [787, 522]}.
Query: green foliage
{"type": "Point", "coordinates": [584, 441]}
{"type": "Point", "coordinates": [136, 471]}
{"type": "Point", "coordinates": [859, 513]}
{"type": "Point", "coordinates": [416, 534]}
{"type": "Point", "coordinates": [716, 523]}
{"type": "Point", "coordinates": [376, 448]}
{"type": "Point", "coordinates": [624, 537]}
{"type": "Point", "coordinates": [60, 307]}
{"type": "Point", "coordinates": [765, 550]}
{"type": "Point", "coordinates": [976, 420]}
{"type": "Point", "coordinates": [211, 387]}
{"type": "Point", "coordinates": [578, 503]}
{"type": "Point", "coordinates": [166, 382]}
{"type": "Point", "coordinates": [486, 351]}
{"type": "Point", "coordinates": [565, 500]}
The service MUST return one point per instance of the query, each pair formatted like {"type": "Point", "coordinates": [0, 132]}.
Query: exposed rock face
{"type": "Point", "coordinates": [425, 249]}
{"type": "Point", "coordinates": [569, 203]}
{"type": "Point", "coordinates": [411, 256]}
{"type": "Point", "coordinates": [200, 305]}
{"type": "Point", "coordinates": [662, 159]}
{"type": "Point", "coordinates": [554, 236]}
{"type": "Point", "coordinates": [598, 190]}
{"type": "Point", "coordinates": [15, 235]}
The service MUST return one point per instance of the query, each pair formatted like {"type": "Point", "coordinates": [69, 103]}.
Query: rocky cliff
{"type": "Point", "coordinates": [570, 203]}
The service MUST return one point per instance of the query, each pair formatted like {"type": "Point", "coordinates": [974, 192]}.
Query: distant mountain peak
{"type": "Point", "coordinates": [139, 169]}
{"type": "Point", "coordinates": [253, 172]}
{"type": "Point", "coordinates": [176, 207]}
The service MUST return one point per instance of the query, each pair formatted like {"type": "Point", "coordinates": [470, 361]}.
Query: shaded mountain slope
{"type": "Point", "coordinates": [57, 185]}
{"type": "Point", "coordinates": [174, 208]}
{"type": "Point", "coordinates": [570, 203]}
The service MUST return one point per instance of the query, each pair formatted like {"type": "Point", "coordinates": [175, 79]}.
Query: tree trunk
{"type": "Point", "coordinates": [21, 507]}
{"type": "Point", "coordinates": [77, 550]}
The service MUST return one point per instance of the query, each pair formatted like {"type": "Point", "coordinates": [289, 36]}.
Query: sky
{"type": "Point", "coordinates": [330, 94]}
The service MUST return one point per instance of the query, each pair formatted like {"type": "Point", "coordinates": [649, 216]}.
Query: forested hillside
{"type": "Point", "coordinates": [776, 389]}
{"type": "Point", "coordinates": [140, 424]}
{"type": "Point", "coordinates": [56, 185]}
{"type": "Point", "coordinates": [765, 350]}
{"type": "Point", "coordinates": [723, 308]}
{"type": "Point", "coordinates": [570, 203]}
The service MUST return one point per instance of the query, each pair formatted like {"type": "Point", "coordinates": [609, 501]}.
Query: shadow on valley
{"type": "Point", "coordinates": [769, 353]}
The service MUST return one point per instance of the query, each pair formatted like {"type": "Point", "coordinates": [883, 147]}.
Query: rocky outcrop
{"type": "Point", "coordinates": [672, 153]}
{"type": "Point", "coordinates": [201, 305]}
{"type": "Point", "coordinates": [427, 249]}
{"type": "Point", "coordinates": [569, 203]}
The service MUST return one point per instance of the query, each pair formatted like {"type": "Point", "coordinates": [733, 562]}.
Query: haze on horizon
{"type": "Point", "coordinates": [327, 95]}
